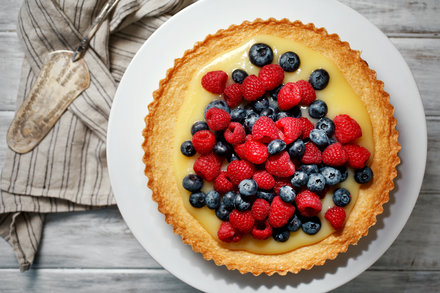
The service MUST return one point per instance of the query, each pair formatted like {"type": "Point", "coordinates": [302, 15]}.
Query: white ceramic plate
{"type": "Point", "coordinates": [142, 78]}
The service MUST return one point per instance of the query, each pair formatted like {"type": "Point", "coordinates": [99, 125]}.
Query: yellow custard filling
{"type": "Point", "coordinates": [340, 99]}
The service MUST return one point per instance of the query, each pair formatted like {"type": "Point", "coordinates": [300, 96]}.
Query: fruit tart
{"type": "Point", "coordinates": [270, 147]}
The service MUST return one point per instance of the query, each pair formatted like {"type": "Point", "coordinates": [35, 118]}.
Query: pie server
{"type": "Point", "coordinates": [61, 80]}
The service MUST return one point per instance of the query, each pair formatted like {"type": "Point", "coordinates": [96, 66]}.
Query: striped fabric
{"type": "Point", "coordinates": [67, 171]}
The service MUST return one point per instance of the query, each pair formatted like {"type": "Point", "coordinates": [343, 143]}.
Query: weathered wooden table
{"type": "Point", "coordinates": [95, 251]}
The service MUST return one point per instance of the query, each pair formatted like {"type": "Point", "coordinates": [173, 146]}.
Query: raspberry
{"type": "Point", "coordinates": [242, 221]}
{"type": "Point", "coordinates": [222, 184]}
{"type": "Point", "coordinates": [280, 212]}
{"type": "Point", "coordinates": [280, 182]}
{"type": "Point", "coordinates": [217, 119]}
{"type": "Point", "coordinates": [260, 209]}
{"type": "Point", "coordinates": [252, 88]}
{"type": "Point", "coordinates": [289, 96]}
{"type": "Point", "coordinates": [264, 130]}
{"type": "Point", "coordinates": [255, 152]}
{"type": "Point", "coordinates": [233, 95]}
{"type": "Point", "coordinates": [264, 180]}
{"type": "Point", "coordinates": [334, 155]}
{"type": "Point", "coordinates": [357, 155]}
{"type": "Point", "coordinates": [215, 81]}
{"type": "Point", "coordinates": [290, 129]}
{"type": "Point", "coordinates": [307, 91]}
{"type": "Point", "coordinates": [307, 127]}
{"type": "Point", "coordinates": [336, 217]}
{"type": "Point", "coordinates": [203, 141]}
{"type": "Point", "coordinates": [346, 129]}
{"type": "Point", "coordinates": [312, 155]}
{"type": "Point", "coordinates": [308, 203]}
{"type": "Point", "coordinates": [235, 133]}
{"type": "Point", "coordinates": [227, 233]}
{"type": "Point", "coordinates": [208, 166]}
{"type": "Point", "coordinates": [280, 165]}
{"type": "Point", "coordinates": [239, 170]}
{"type": "Point", "coordinates": [262, 230]}
{"type": "Point", "coordinates": [240, 150]}
{"type": "Point", "coordinates": [272, 75]}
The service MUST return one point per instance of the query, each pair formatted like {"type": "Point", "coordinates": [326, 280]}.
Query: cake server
{"type": "Point", "coordinates": [61, 80]}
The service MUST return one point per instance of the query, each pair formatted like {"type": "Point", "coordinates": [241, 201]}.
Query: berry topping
{"type": "Point", "coordinates": [260, 54]}
{"type": "Point", "coordinates": [312, 155]}
{"type": "Point", "coordinates": [260, 209]}
{"type": "Point", "coordinates": [227, 233]}
{"type": "Point", "coordinates": [289, 96]}
{"type": "Point", "coordinates": [346, 129]}
{"type": "Point", "coordinates": [208, 166]}
{"type": "Point", "coordinates": [287, 193]}
{"type": "Point", "coordinates": [222, 149]}
{"type": "Point", "coordinates": [222, 183]}
{"type": "Point", "coordinates": [363, 175]}
{"type": "Point", "coordinates": [255, 152]}
{"type": "Point", "coordinates": [332, 175]}
{"type": "Point", "coordinates": [341, 197]}
{"type": "Point", "coordinates": [238, 115]}
{"type": "Point", "coordinates": [334, 155]}
{"type": "Point", "coordinates": [316, 182]}
{"type": "Point", "coordinates": [290, 129]}
{"type": "Point", "coordinates": [276, 146]}
{"type": "Point", "coordinates": [240, 150]}
{"type": "Point", "coordinates": [309, 169]}
{"type": "Point", "coordinates": [266, 195]}
{"type": "Point", "coordinates": [318, 109]}
{"type": "Point", "coordinates": [280, 212]}
{"type": "Point", "coordinates": [199, 125]}
{"type": "Point", "coordinates": [212, 199]}
{"type": "Point", "coordinates": [252, 88]}
{"type": "Point", "coordinates": [357, 155]}
{"type": "Point", "coordinates": [192, 182]}
{"type": "Point", "coordinates": [336, 217]}
{"type": "Point", "coordinates": [280, 165]}
{"type": "Point", "coordinates": [204, 140]}
{"type": "Point", "coordinates": [228, 200]}
{"type": "Point", "coordinates": [280, 182]}
{"type": "Point", "coordinates": [297, 149]}
{"type": "Point", "coordinates": [280, 235]}
{"type": "Point", "coordinates": [272, 75]}
{"type": "Point", "coordinates": [238, 75]}
{"type": "Point", "coordinates": [215, 81]}
{"type": "Point", "coordinates": [294, 224]}
{"type": "Point", "coordinates": [327, 125]}
{"type": "Point", "coordinates": [187, 148]}
{"type": "Point", "coordinates": [233, 95]}
{"type": "Point", "coordinates": [235, 133]}
{"type": "Point", "coordinates": [319, 79]}
{"type": "Point", "coordinates": [241, 203]}
{"type": "Point", "coordinates": [249, 121]}
{"type": "Point", "coordinates": [311, 226]}
{"type": "Point", "coordinates": [222, 212]}
{"type": "Point", "coordinates": [299, 179]}
{"type": "Point", "coordinates": [264, 180]}
{"type": "Point", "coordinates": [242, 221]}
{"type": "Point", "coordinates": [197, 199]}
{"type": "Point", "coordinates": [217, 119]}
{"type": "Point", "coordinates": [319, 137]}
{"type": "Point", "coordinates": [308, 203]}
{"type": "Point", "coordinates": [261, 104]}
{"type": "Point", "coordinates": [289, 61]}
{"type": "Point", "coordinates": [217, 104]}
{"type": "Point", "coordinates": [262, 230]}
{"type": "Point", "coordinates": [308, 94]}
{"type": "Point", "coordinates": [264, 130]}
{"type": "Point", "coordinates": [248, 188]}
{"type": "Point", "coordinates": [307, 127]}
{"type": "Point", "coordinates": [239, 170]}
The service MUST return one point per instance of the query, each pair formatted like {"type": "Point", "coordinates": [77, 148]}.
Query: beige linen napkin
{"type": "Point", "coordinates": [67, 171]}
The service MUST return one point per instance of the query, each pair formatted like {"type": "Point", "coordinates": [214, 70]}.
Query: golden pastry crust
{"type": "Point", "coordinates": [161, 121]}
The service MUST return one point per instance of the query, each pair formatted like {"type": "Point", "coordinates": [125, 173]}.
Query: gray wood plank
{"type": "Point", "coordinates": [9, 14]}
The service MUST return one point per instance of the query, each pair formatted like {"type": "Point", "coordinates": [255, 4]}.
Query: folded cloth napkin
{"type": "Point", "coordinates": [67, 171]}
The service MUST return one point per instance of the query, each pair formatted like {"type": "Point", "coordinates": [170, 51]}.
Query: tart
{"type": "Point", "coordinates": [270, 147]}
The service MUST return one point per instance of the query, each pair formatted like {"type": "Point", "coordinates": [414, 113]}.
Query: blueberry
{"type": "Point", "coordinates": [197, 199]}
{"type": "Point", "coordinates": [341, 197]}
{"type": "Point", "coordinates": [266, 195]}
{"type": "Point", "coordinates": [250, 120]}
{"type": "Point", "coordinates": [281, 115]}
{"type": "Point", "coordinates": [276, 146]}
{"type": "Point", "coordinates": [217, 104]}
{"type": "Point", "coordinates": [280, 235]}
{"type": "Point", "coordinates": [309, 169]}
{"type": "Point", "coordinates": [297, 149]}
{"type": "Point", "coordinates": [299, 179]}
{"type": "Point", "coordinates": [241, 204]}
{"type": "Point", "coordinates": [294, 224]}
{"type": "Point", "coordinates": [238, 115]}
{"type": "Point", "coordinates": [212, 199]}
{"type": "Point", "coordinates": [287, 194]}
{"type": "Point", "coordinates": [232, 157]}
{"type": "Point", "coordinates": [187, 148]}
{"type": "Point", "coordinates": [273, 103]}
{"type": "Point", "coordinates": [238, 75]}
{"type": "Point", "coordinates": [269, 112]}
{"type": "Point", "coordinates": [363, 175]}
{"type": "Point", "coordinates": [274, 93]}
{"type": "Point", "coordinates": [331, 140]}
{"type": "Point", "coordinates": [318, 109]}
{"type": "Point", "coordinates": [260, 54]}
{"type": "Point", "coordinates": [319, 79]}
{"type": "Point", "coordinates": [248, 188]}
{"type": "Point", "coordinates": [316, 182]}
{"type": "Point", "coordinates": [318, 137]}
{"type": "Point", "coordinates": [295, 112]}
{"type": "Point", "coordinates": [332, 175]}
{"type": "Point", "coordinates": [222, 212]}
{"type": "Point", "coordinates": [222, 148]}
{"type": "Point", "coordinates": [260, 104]}
{"type": "Point", "coordinates": [289, 61]}
{"type": "Point", "coordinates": [327, 125]}
{"type": "Point", "coordinates": [344, 173]}
{"type": "Point", "coordinates": [199, 125]}
{"type": "Point", "coordinates": [228, 200]}
{"type": "Point", "coordinates": [192, 182]}
{"type": "Point", "coordinates": [311, 225]}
